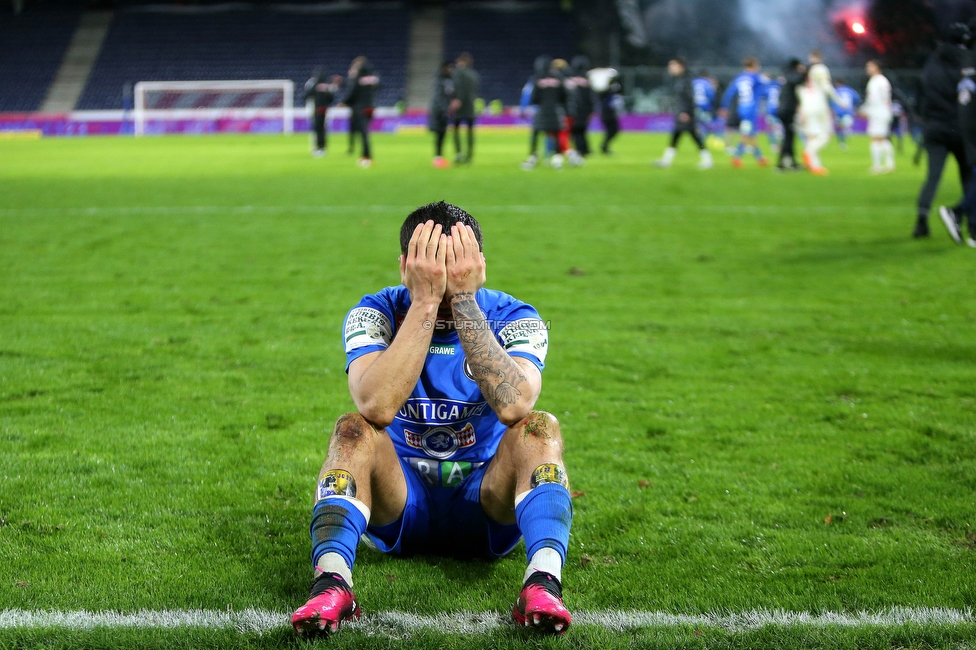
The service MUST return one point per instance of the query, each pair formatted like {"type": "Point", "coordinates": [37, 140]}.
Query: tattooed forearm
{"type": "Point", "coordinates": [497, 375]}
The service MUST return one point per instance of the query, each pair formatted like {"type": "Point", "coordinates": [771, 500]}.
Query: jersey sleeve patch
{"type": "Point", "coordinates": [366, 326]}
{"type": "Point", "coordinates": [528, 335]}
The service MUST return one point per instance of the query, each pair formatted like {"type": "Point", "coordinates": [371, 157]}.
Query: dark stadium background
{"type": "Point", "coordinates": [203, 40]}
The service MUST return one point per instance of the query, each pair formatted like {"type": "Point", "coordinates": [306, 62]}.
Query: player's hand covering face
{"type": "Point", "coordinates": [423, 271]}
{"type": "Point", "coordinates": [465, 262]}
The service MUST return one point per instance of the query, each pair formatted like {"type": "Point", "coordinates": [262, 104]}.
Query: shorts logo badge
{"type": "Point", "coordinates": [441, 442]}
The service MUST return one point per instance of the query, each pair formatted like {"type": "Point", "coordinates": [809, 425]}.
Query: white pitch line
{"type": "Point", "coordinates": [393, 623]}
{"type": "Point", "coordinates": [405, 209]}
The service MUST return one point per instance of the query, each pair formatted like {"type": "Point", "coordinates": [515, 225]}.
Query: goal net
{"type": "Point", "coordinates": [252, 106]}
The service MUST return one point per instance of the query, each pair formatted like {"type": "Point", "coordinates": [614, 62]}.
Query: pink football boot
{"type": "Point", "coordinates": [540, 605]}
{"type": "Point", "coordinates": [330, 603]}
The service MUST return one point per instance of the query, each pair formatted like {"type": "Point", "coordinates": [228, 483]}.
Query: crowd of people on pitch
{"type": "Point", "coordinates": [357, 91]}
{"type": "Point", "coordinates": [454, 97]}
{"type": "Point", "coordinates": [559, 97]}
{"type": "Point", "coordinates": [802, 101]}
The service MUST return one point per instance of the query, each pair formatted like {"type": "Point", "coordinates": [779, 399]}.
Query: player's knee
{"type": "Point", "coordinates": [540, 428]}
{"type": "Point", "coordinates": [353, 430]}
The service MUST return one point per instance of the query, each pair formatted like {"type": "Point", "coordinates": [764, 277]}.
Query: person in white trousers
{"type": "Point", "coordinates": [814, 117]}
{"type": "Point", "coordinates": [877, 109]}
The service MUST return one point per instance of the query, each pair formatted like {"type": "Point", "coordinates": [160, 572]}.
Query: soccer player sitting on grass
{"type": "Point", "coordinates": [445, 455]}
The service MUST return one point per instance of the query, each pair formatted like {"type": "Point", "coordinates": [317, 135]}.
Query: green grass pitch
{"type": "Point", "coordinates": [767, 388]}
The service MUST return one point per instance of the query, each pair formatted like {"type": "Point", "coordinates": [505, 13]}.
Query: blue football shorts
{"type": "Point", "coordinates": [445, 521]}
{"type": "Point", "coordinates": [747, 124]}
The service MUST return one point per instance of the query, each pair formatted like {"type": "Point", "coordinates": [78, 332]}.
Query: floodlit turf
{"type": "Point", "coordinates": [767, 388]}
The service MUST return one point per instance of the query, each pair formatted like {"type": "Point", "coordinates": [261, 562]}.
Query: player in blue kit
{"type": "Point", "coordinates": [844, 115]}
{"type": "Point", "coordinates": [769, 101]}
{"type": "Point", "coordinates": [703, 90]}
{"type": "Point", "coordinates": [445, 454]}
{"type": "Point", "coordinates": [747, 88]}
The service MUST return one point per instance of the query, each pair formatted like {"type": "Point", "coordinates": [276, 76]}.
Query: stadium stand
{"type": "Point", "coordinates": [27, 70]}
{"type": "Point", "coordinates": [505, 60]}
{"type": "Point", "coordinates": [172, 43]}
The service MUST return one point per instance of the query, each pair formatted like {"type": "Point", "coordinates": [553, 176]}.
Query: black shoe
{"type": "Point", "coordinates": [921, 228]}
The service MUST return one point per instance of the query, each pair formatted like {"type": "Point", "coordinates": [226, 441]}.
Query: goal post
{"type": "Point", "coordinates": [265, 105]}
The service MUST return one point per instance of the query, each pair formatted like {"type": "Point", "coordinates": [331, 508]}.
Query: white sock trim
{"type": "Point", "coordinates": [546, 560]}
{"type": "Point", "coordinates": [360, 506]}
{"type": "Point", "coordinates": [334, 563]}
{"type": "Point", "coordinates": [519, 498]}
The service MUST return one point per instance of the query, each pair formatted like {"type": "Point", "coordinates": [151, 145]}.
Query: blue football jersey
{"type": "Point", "coordinates": [853, 101]}
{"type": "Point", "coordinates": [747, 87]}
{"type": "Point", "coordinates": [704, 94]}
{"type": "Point", "coordinates": [446, 418]}
{"type": "Point", "coordinates": [526, 97]}
{"type": "Point", "coordinates": [770, 95]}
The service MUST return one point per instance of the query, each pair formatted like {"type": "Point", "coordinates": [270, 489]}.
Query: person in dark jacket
{"type": "Point", "coordinates": [549, 98]}
{"type": "Point", "coordinates": [795, 75]}
{"type": "Point", "coordinates": [440, 109]}
{"type": "Point", "coordinates": [685, 121]}
{"type": "Point", "coordinates": [466, 82]}
{"type": "Point", "coordinates": [580, 103]}
{"type": "Point", "coordinates": [952, 218]}
{"type": "Point", "coordinates": [320, 94]}
{"type": "Point", "coordinates": [360, 98]}
{"type": "Point", "coordinates": [609, 91]}
{"type": "Point", "coordinates": [560, 68]}
{"type": "Point", "coordinates": [939, 109]}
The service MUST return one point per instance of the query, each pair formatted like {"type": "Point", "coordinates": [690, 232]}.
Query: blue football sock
{"type": "Point", "coordinates": [337, 526]}
{"type": "Point", "coordinates": [741, 149]}
{"type": "Point", "coordinates": [756, 150]}
{"type": "Point", "coordinates": [544, 517]}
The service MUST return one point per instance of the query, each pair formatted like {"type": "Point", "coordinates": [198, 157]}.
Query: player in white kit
{"type": "Point", "coordinates": [814, 116]}
{"type": "Point", "coordinates": [877, 109]}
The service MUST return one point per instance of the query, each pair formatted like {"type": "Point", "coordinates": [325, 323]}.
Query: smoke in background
{"type": "Point", "coordinates": [723, 32]}
{"type": "Point", "coordinates": [794, 27]}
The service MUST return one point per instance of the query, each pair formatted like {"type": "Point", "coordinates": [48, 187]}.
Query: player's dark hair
{"type": "Point", "coordinates": [441, 213]}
